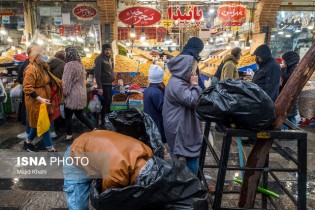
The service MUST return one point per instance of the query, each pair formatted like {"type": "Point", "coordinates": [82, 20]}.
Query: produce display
{"type": "Point", "coordinates": [167, 76]}
{"type": "Point", "coordinates": [136, 96]}
{"type": "Point", "coordinates": [142, 80]}
{"type": "Point", "coordinates": [6, 59]}
{"type": "Point", "coordinates": [144, 68]}
{"type": "Point", "coordinates": [20, 57]}
{"type": "Point", "coordinates": [126, 78]}
{"type": "Point", "coordinates": [134, 87]}
{"type": "Point", "coordinates": [94, 55]}
{"type": "Point", "coordinates": [88, 63]}
{"type": "Point", "coordinates": [125, 64]}
{"type": "Point", "coordinates": [120, 97]}
{"type": "Point", "coordinates": [246, 60]}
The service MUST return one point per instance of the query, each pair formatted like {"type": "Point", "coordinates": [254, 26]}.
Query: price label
{"type": "Point", "coordinates": [263, 135]}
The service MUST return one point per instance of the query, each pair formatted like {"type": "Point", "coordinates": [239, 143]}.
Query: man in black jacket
{"type": "Point", "coordinates": [104, 76]}
{"type": "Point", "coordinates": [268, 75]}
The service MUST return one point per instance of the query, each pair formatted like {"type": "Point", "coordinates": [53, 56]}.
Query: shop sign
{"type": "Point", "coordinates": [232, 14]}
{"type": "Point", "coordinates": [189, 18]}
{"type": "Point", "coordinates": [49, 11]}
{"type": "Point", "coordinates": [140, 16]}
{"type": "Point", "coordinates": [295, 22]}
{"type": "Point", "coordinates": [84, 12]}
{"type": "Point", "coordinates": [6, 19]}
{"type": "Point", "coordinates": [7, 12]}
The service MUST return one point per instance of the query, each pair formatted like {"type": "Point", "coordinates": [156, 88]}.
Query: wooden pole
{"type": "Point", "coordinates": [283, 106]}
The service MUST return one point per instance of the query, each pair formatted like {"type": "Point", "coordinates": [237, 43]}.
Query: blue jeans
{"type": "Point", "coordinates": [28, 128]}
{"type": "Point", "coordinates": [76, 186]}
{"type": "Point", "coordinates": [46, 137]}
{"type": "Point", "coordinates": [292, 119]}
{"type": "Point", "coordinates": [52, 127]}
{"type": "Point", "coordinates": [192, 164]}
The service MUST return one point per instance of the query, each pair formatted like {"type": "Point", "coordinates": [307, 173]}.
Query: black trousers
{"type": "Point", "coordinates": [80, 115]}
{"type": "Point", "coordinates": [107, 91]}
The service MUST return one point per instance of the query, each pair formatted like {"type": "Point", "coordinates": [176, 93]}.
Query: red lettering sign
{"type": "Point", "coordinates": [193, 14]}
{"type": "Point", "coordinates": [139, 16]}
{"type": "Point", "coordinates": [85, 12]}
{"type": "Point", "coordinates": [232, 14]}
{"type": "Point", "coordinates": [7, 12]}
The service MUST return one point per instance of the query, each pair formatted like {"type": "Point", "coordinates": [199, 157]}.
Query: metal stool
{"type": "Point", "coordinates": [222, 164]}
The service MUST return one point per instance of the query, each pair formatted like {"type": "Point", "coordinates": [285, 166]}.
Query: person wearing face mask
{"type": "Point", "coordinates": [104, 76]}
{"type": "Point", "coordinates": [36, 86]}
{"type": "Point", "coordinates": [181, 125]}
{"type": "Point", "coordinates": [267, 77]}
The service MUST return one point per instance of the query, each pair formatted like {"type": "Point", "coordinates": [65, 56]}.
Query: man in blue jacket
{"type": "Point", "coordinates": [268, 75]}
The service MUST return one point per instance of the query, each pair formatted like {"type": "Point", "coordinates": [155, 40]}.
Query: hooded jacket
{"type": "Point", "coordinates": [56, 66]}
{"type": "Point", "coordinates": [291, 59]}
{"type": "Point", "coordinates": [104, 73]}
{"type": "Point", "coordinates": [229, 70]}
{"type": "Point", "coordinates": [181, 125]}
{"type": "Point", "coordinates": [268, 75]}
{"type": "Point", "coordinates": [194, 47]}
{"type": "Point", "coordinates": [73, 85]}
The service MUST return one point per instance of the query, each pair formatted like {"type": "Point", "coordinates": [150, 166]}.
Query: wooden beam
{"type": "Point", "coordinates": [284, 103]}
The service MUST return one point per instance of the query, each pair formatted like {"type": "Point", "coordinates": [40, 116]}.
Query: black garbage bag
{"type": "Point", "coordinates": [237, 102]}
{"type": "Point", "coordinates": [138, 125]}
{"type": "Point", "coordinates": [166, 185]}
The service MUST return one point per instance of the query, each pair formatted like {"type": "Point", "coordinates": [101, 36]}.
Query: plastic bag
{"type": "Point", "coordinates": [3, 94]}
{"type": "Point", "coordinates": [237, 102]}
{"type": "Point", "coordinates": [16, 92]}
{"type": "Point", "coordinates": [95, 105]}
{"type": "Point", "coordinates": [138, 125]}
{"type": "Point", "coordinates": [43, 122]}
{"type": "Point", "coordinates": [167, 185]}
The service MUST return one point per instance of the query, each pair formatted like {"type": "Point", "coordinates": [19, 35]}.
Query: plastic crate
{"type": "Point", "coordinates": [252, 67]}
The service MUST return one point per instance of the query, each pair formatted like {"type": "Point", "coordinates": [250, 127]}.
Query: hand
{"type": "Point", "coordinates": [106, 62]}
{"type": "Point", "coordinates": [194, 79]}
{"type": "Point", "coordinates": [100, 91]}
{"type": "Point", "coordinates": [42, 100]}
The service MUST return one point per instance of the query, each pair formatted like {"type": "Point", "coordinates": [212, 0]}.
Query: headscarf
{"type": "Point", "coordinates": [193, 47]}
{"type": "Point", "coordinates": [72, 55]}
{"type": "Point", "coordinates": [61, 55]}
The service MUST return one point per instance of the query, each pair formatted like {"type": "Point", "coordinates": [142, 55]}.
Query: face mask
{"type": "Point", "coordinates": [257, 61]}
{"type": "Point", "coordinates": [44, 58]}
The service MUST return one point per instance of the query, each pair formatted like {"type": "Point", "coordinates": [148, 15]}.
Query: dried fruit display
{"type": "Point", "coordinates": [119, 97]}
{"type": "Point", "coordinates": [6, 59]}
{"type": "Point", "coordinates": [167, 76]}
{"type": "Point", "coordinates": [125, 64]}
{"type": "Point", "coordinates": [11, 53]}
{"type": "Point", "coordinates": [88, 63]}
{"type": "Point", "coordinates": [142, 80]}
{"type": "Point", "coordinates": [126, 78]}
{"type": "Point", "coordinates": [144, 68]}
{"type": "Point", "coordinates": [94, 55]}
{"type": "Point", "coordinates": [246, 60]}
{"type": "Point", "coordinates": [136, 96]}
{"type": "Point", "coordinates": [134, 87]}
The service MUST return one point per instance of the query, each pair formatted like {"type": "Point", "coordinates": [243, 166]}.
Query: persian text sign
{"type": "Point", "coordinates": [232, 14]}
{"type": "Point", "coordinates": [84, 12]}
{"type": "Point", "coordinates": [139, 16]}
{"type": "Point", "coordinates": [185, 16]}
{"type": "Point", "coordinates": [8, 12]}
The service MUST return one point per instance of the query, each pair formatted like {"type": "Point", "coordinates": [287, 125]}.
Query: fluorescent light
{"type": "Point", "coordinates": [280, 32]}
{"type": "Point", "coordinates": [211, 11]}
{"type": "Point", "coordinates": [86, 49]}
{"type": "Point", "coordinates": [311, 27]}
{"type": "Point", "coordinates": [40, 42]}
{"type": "Point", "coordinates": [273, 36]}
{"type": "Point", "coordinates": [297, 30]}
{"type": "Point", "coordinates": [288, 35]}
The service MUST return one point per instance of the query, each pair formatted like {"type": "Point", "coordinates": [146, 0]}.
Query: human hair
{"type": "Point", "coordinates": [61, 54]}
{"type": "Point", "coordinates": [236, 51]}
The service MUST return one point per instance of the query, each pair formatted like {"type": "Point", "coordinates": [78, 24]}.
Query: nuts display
{"type": "Point", "coordinates": [125, 77]}
{"type": "Point", "coordinates": [120, 97]}
{"type": "Point", "coordinates": [136, 96]}
{"type": "Point", "coordinates": [246, 60]}
{"type": "Point", "coordinates": [6, 59]}
{"type": "Point", "coordinates": [142, 80]}
{"type": "Point", "coordinates": [167, 76]}
{"type": "Point", "coordinates": [94, 55]}
{"type": "Point", "coordinates": [144, 68]}
{"type": "Point", "coordinates": [125, 64]}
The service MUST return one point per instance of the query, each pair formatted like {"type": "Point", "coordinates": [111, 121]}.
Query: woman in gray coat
{"type": "Point", "coordinates": [181, 125]}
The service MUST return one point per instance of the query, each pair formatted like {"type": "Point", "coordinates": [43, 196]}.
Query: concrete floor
{"type": "Point", "coordinates": [35, 194]}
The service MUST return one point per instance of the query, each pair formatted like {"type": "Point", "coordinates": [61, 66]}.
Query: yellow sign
{"type": "Point", "coordinates": [263, 135]}
{"type": "Point", "coordinates": [167, 23]}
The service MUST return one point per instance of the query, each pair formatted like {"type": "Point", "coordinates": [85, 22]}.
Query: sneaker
{"type": "Point", "coordinates": [29, 147]}
{"type": "Point", "coordinates": [40, 145]}
{"type": "Point", "coordinates": [22, 135]}
{"type": "Point", "coordinates": [53, 135]}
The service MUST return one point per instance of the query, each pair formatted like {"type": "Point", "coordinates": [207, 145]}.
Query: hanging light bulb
{"type": "Point", "coordinates": [207, 43]}
{"type": "Point", "coordinates": [2, 30]}
{"type": "Point", "coordinates": [40, 42]}
{"type": "Point", "coordinates": [91, 33]}
{"type": "Point", "coordinates": [132, 31]}
{"type": "Point", "coordinates": [230, 34]}
{"type": "Point", "coordinates": [9, 39]}
{"type": "Point", "coordinates": [211, 40]}
{"type": "Point", "coordinates": [142, 38]}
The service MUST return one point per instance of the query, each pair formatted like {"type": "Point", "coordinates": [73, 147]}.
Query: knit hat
{"type": "Point", "coordinates": [105, 46]}
{"type": "Point", "coordinates": [156, 74]}
{"type": "Point", "coordinates": [291, 58]}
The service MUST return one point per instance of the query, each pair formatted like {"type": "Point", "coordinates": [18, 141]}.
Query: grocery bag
{"type": "Point", "coordinates": [43, 122]}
